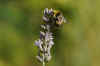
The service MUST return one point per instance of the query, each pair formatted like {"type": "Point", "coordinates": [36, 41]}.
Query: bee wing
{"type": "Point", "coordinates": [66, 21]}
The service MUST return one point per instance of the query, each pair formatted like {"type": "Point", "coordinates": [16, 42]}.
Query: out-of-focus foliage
{"type": "Point", "coordinates": [76, 43]}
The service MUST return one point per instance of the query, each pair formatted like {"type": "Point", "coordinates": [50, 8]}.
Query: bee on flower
{"type": "Point", "coordinates": [51, 18]}
{"type": "Point", "coordinates": [54, 17]}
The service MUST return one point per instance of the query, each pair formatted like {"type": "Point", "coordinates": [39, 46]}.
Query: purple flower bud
{"type": "Point", "coordinates": [38, 43]}
{"type": "Point", "coordinates": [46, 10]}
{"type": "Point", "coordinates": [42, 35]}
{"type": "Point", "coordinates": [50, 12]}
{"type": "Point", "coordinates": [45, 19]}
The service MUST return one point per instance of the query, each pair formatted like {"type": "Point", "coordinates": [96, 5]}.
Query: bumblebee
{"type": "Point", "coordinates": [53, 17]}
{"type": "Point", "coordinates": [59, 18]}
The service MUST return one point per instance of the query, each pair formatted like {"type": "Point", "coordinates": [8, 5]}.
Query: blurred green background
{"type": "Point", "coordinates": [76, 44]}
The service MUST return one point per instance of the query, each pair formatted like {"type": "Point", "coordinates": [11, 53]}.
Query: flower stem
{"type": "Point", "coordinates": [43, 61]}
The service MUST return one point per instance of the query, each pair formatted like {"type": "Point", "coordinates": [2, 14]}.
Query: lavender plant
{"type": "Point", "coordinates": [51, 19]}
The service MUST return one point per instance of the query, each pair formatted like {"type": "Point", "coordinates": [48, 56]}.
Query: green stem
{"type": "Point", "coordinates": [43, 61]}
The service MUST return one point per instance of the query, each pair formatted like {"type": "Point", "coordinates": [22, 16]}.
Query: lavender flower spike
{"type": "Point", "coordinates": [52, 18]}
